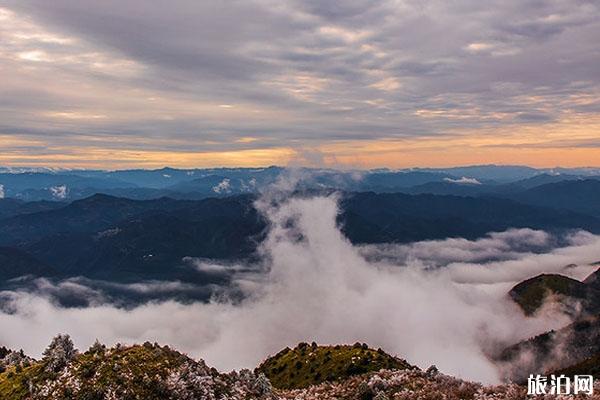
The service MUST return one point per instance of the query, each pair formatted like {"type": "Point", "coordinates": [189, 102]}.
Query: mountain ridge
{"type": "Point", "coordinates": [105, 235]}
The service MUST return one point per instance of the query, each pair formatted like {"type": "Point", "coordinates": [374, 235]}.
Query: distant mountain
{"type": "Point", "coordinates": [497, 173]}
{"type": "Point", "coordinates": [582, 196]}
{"type": "Point", "coordinates": [228, 183]}
{"type": "Point", "coordinates": [168, 177]}
{"type": "Point", "coordinates": [15, 263]}
{"type": "Point", "coordinates": [13, 207]}
{"type": "Point", "coordinates": [117, 239]}
{"type": "Point", "coordinates": [583, 171]}
{"type": "Point", "coordinates": [395, 181]}
{"type": "Point", "coordinates": [31, 186]}
{"type": "Point", "coordinates": [217, 185]}
{"type": "Point", "coordinates": [69, 185]}
{"type": "Point", "coordinates": [397, 217]}
{"type": "Point", "coordinates": [573, 193]}
{"type": "Point", "coordinates": [544, 179]}
{"type": "Point", "coordinates": [153, 179]}
{"type": "Point", "coordinates": [89, 215]}
{"type": "Point", "coordinates": [152, 245]}
{"type": "Point", "coordinates": [451, 189]}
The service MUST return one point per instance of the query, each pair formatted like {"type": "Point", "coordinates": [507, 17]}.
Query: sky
{"type": "Point", "coordinates": [359, 83]}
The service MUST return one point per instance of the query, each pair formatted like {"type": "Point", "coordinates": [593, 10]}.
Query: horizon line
{"type": "Point", "coordinates": [333, 168]}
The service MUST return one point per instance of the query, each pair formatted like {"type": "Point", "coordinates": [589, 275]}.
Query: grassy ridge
{"type": "Point", "coordinates": [307, 365]}
{"type": "Point", "coordinates": [532, 293]}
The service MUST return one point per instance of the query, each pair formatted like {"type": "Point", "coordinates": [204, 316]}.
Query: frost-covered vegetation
{"type": "Point", "coordinates": [153, 372]}
{"type": "Point", "coordinates": [147, 371]}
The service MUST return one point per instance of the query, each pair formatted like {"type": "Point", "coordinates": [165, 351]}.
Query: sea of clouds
{"type": "Point", "coordinates": [435, 302]}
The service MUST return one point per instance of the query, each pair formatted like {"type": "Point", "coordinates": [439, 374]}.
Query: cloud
{"type": "Point", "coordinates": [298, 74]}
{"type": "Point", "coordinates": [214, 268]}
{"type": "Point", "coordinates": [439, 302]}
{"type": "Point", "coordinates": [500, 258]}
{"type": "Point", "coordinates": [59, 192]}
{"type": "Point", "coordinates": [463, 181]}
{"type": "Point", "coordinates": [83, 292]}
{"type": "Point", "coordinates": [222, 187]}
{"type": "Point", "coordinates": [513, 244]}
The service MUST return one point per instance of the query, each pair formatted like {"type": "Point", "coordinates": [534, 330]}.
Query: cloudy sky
{"type": "Point", "coordinates": [361, 83]}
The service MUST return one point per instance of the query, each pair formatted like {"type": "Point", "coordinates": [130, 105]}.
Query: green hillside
{"type": "Point", "coordinates": [308, 365]}
{"type": "Point", "coordinates": [531, 294]}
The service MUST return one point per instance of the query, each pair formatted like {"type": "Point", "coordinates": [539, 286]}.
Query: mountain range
{"type": "Point", "coordinates": [123, 240]}
{"type": "Point", "coordinates": [69, 185]}
{"type": "Point", "coordinates": [156, 223]}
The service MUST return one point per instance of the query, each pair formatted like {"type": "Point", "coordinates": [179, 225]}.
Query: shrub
{"type": "Point", "coordinates": [58, 354]}
{"type": "Point", "coordinates": [262, 385]}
